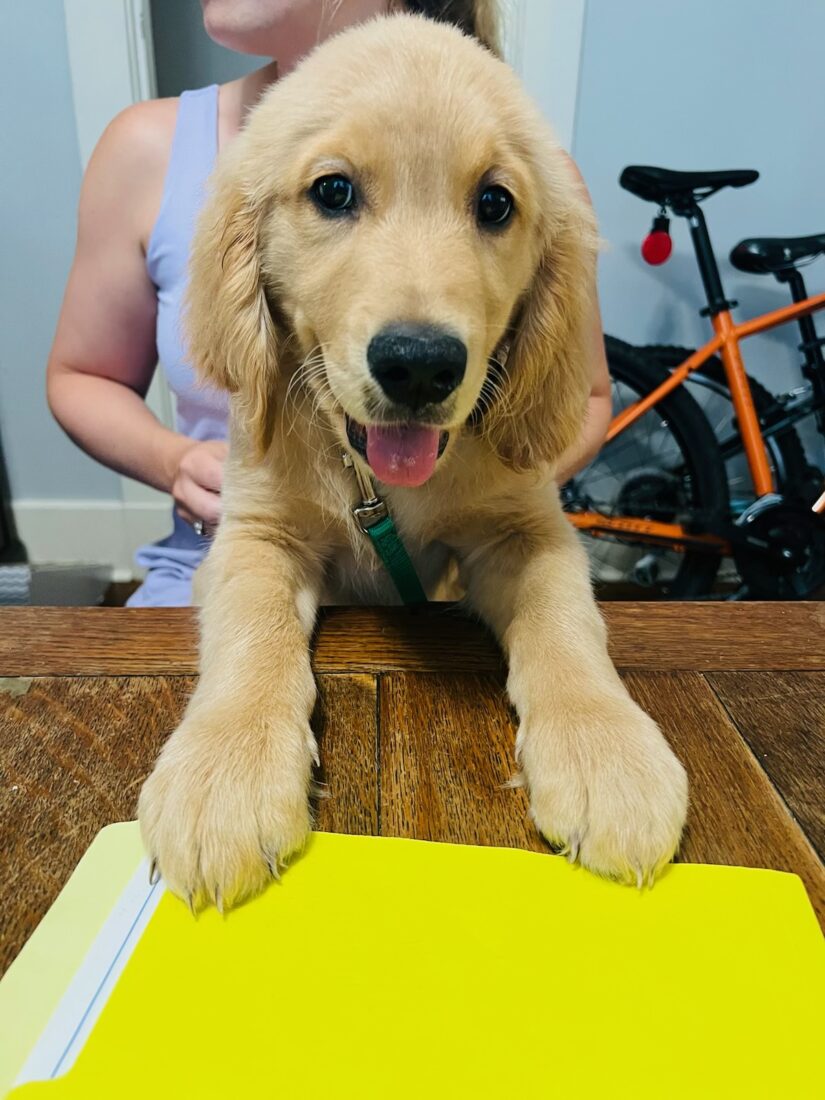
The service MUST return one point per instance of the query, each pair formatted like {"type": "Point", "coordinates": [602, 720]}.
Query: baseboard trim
{"type": "Point", "coordinates": [101, 532]}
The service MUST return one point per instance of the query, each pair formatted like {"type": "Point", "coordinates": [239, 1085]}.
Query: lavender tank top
{"type": "Point", "coordinates": [201, 412]}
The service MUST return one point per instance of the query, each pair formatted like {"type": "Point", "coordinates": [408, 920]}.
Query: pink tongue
{"type": "Point", "coordinates": [403, 455]}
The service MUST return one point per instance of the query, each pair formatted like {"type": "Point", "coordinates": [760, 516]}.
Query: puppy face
{"type": "Point", "coordinates": [397, 215]}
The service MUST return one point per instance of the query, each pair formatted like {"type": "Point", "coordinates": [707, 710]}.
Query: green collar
{"type": "Point", "coordinates": [374, 519]}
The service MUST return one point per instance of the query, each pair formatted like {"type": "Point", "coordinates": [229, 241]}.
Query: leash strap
{"type": "Point", "coordinates": [393, 554]}
{"type": "Point", "coordinates": [375, 521]}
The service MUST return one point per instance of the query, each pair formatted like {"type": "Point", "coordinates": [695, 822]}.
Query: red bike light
{"type": "Point", "coordinates": [657, 245]}
{"type": "Point", "coordinates": [656, 248]}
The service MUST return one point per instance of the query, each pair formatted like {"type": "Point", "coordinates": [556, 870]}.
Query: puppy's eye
{"type": "Point", "coordinates": [495, 206]}
{"type": "Point", "coordinates": [333, 194]}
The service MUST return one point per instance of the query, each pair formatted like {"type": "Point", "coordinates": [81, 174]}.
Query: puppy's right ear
{"type": "Point", "coordinates": [232, 337]}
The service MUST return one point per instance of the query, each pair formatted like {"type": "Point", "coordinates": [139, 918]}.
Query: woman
{"type": "Point", "coordinates": [121, 311]}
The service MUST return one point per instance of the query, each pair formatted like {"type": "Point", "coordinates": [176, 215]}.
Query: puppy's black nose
{"type": "Point", "coordinates": [416, 365]}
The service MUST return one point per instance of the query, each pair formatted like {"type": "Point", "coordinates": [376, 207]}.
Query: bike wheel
{"type": "Point", "coordinates": [667, 467]}
{"type": "Point", "coordinates": [708, 386]}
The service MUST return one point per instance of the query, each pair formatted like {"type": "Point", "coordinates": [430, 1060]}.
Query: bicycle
{"type": "Point", "coordinates": [658, 498]}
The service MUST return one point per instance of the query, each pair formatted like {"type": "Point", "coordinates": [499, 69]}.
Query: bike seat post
{"type": "Point", "coordinates": [709, 269]}
{"type": "Point", "coordinates": [811, 345]}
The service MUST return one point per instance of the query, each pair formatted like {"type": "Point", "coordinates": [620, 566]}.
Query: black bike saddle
{"type": "Point", "coordinates": [768, 255]}
{"type": "Point", "coordinates": [663, 186]}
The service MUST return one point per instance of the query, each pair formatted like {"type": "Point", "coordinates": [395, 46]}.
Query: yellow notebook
{"type": "Point", "coordinates": [394, 969]}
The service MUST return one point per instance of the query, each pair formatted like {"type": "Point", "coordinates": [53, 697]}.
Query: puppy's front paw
{"type": "Point", "coordinates": [219, 813]}
{"type": "Point", "coordinates": [606, 786]}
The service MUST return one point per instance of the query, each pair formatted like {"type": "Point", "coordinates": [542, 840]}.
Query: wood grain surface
{"type": "Point", "coordinates": [109, 641]}
{"type": "Point", "coordinates": [447, 742]}
{"type": "Point", "coordinates": [736, 816]}
{"type": "Point", "coordinates": [781, 715]}
{"type": "Point", "coordinates": [346, 727]}
{"type": "Point", "coordinates": [415, 734]}
{"type": "Point", "coordinates": [73, 754]}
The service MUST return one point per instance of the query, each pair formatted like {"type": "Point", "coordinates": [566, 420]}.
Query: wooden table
{"type": "Point", "coordinates": [415, 734]}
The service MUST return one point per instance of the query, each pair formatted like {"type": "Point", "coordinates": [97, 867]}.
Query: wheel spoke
{"type": "Point", "coordinates": [645, 472]}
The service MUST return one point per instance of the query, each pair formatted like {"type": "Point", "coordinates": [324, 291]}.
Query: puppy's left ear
{"type": "Point", "coordinates": [233, 339]}
{"type": "Point", "coordinates": [547, 376]}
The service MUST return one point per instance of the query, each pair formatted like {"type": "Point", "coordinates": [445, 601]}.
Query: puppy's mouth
{"type": "Point", "coordinates": [398, 454]}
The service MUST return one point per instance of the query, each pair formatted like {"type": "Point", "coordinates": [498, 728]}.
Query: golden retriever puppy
{"type": "Point", "coordinates": [395, 263]}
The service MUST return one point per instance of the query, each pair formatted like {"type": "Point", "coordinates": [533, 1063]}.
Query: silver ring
{"type": "Point", "coordinates": [200, 528]}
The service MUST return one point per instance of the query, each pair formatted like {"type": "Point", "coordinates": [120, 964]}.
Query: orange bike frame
{"type": "Point", "coordinates": [726, 342]}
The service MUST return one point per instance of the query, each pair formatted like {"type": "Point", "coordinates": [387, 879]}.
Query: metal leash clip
{"type": "Point", "coordinates": [374, 519]}
{"type": "Point", "coordinates": [372, 508]}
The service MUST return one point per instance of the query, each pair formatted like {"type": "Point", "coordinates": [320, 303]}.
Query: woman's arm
{"type": "Point", "coordinates": [104, 355]}
{"type": "Point", "coordinates": [599, 405]}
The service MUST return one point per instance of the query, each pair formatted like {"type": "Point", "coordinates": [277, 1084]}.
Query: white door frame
{"type": "Point", "coordinates": [543, 43]}
{"type": "Point", "coordinates": [111, 61]}
{"type": "Point", "coordinates": [112, 65]}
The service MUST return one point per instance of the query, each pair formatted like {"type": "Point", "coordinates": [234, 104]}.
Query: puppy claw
{"type": "Point", "coordinates": [190, 901]}
{"type": "Point", "coordinates": [573, 849]}
{"type": "Point", "coordinates": [218, 900]}
{"type": "Point", "coordinates": [312, 745]}
{"type": "Point", "coordinates": [641, 879]}
{"type": "Point", "coordinates": [154, 873]}
{"type": "Point", "coordinates": [273, 868]}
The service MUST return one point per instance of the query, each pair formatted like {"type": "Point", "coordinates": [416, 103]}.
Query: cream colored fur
{"type": "Point", "coordinates": [283, 303]}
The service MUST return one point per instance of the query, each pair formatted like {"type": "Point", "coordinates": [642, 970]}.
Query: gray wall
{"type": "Point", "coordinates": [709, 84]}
{"type": "Point", "coordinates": [185, 55]}
{"type": "Point", "coordinates": [39, 188]}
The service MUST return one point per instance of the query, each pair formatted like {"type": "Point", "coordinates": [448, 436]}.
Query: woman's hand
{"type": "Point", "coordinates": [197, 481]}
